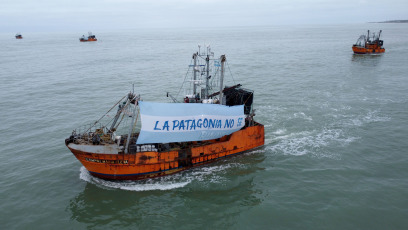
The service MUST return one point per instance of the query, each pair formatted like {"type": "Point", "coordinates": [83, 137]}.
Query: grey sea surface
{"type": "Point", "coordinates": [336, 130]}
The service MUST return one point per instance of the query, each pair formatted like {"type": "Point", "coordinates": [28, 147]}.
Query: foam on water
{"type": "Point", "coordinates": [310, 142]}
{"type": "Point", "coordinates": [373, 116]}
{"type": "Point", "coordinates": [162, 183]}
{"type": "Point", "coordinates": [362, 119]}
{"type": "Point", "coordinates": [212, 174]}
{"type": "Point", "coordinates": [279, 132]}
{"type": "Point", "coordinates": [303, 116]}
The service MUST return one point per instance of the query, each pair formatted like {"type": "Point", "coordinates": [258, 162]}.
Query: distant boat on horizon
{"type": "Point", "coordinates": [365, 45]}
{"type": "Point", "coordinates": [19, 36]}
{"type": "Point", "coordinates": [90, 38]}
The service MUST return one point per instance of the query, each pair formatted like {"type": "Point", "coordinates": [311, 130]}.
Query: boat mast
{"type": "Point", "coordinates": [131, 98]}
{"type": "Point", "coordinates": [207, 85]}
{"type": "Point", "coordinates": [223, 59]}
{"type": "Point", "coordinates": [197, 80]}
{"type": "Point", "coordinates": [368, 35]}
{"type": "Point", "coordinates": [195, 73]}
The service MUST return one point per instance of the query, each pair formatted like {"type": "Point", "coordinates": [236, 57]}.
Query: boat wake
{"type": "Point", "coordinates": [209, 174]}
{"type": "Point", "coordinates": [313, 142]}
{"type": "Point", "coordinates": [162, 183]}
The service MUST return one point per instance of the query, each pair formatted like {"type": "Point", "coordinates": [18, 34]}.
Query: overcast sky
{"type": "Point", "coordinates": [74, 15]}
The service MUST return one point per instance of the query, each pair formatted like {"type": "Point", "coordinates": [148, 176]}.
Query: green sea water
{"type": "Point", "coordinates": [336, 128]}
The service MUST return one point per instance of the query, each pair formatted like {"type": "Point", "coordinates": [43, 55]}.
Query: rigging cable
{"type": "Point", "coordinates": [121, 110]}
{"type": "Point", "coordinates": [106, 113]}
{"type": "Point", "coordinates": [230, 72]}
{"type": "Point", "coordinates": [184, 79]}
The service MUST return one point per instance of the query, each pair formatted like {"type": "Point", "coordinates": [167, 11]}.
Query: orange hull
{"type": "Point", "coordinates": [89, 40]}
{"type": "Point", "coordinates": [368, 50]}
{"type": "Point", "coordinates": [142, 165]}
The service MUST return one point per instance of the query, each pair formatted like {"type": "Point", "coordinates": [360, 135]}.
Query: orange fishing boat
{"type": "Point", "coordinates": [90, 38]}
{"type": "Point", "coordinates": [19, 36]}
{"type": "Point", "coordinates": [166, 138]}
{"type": "Point", "coordinates": [367, 45]}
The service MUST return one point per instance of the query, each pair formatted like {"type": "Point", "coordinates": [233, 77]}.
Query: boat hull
{"type": "Point", "coordinates": [363, 50]}
{"type": "Point", "coordinates": [88, 40]}
{"type": "Point", "coordinates": [143, 165]}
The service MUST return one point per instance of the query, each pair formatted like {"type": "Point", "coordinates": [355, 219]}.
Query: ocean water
{"type": "Point", "coordinates": [336, 128]}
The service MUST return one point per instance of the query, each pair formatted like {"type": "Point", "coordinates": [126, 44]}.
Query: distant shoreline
{"type": "Point", "coordinates": [392, 21]}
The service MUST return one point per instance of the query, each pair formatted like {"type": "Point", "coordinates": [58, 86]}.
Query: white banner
{"type": "Point", "coordinates": [181, 122]}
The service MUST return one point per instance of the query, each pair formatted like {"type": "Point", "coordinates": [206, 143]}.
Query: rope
{"type": "Point", "coordinates": [184, 79]}
{"type": "Point", "coordinates": [248, 98]}
{"type": "Point", "coordinates": [230, 72]}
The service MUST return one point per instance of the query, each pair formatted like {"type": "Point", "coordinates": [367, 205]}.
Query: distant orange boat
{"type": "Point", "coordinates": [90, 38]}
{"type": "Point", "coordinates": [365, 45]}
{"type": "Point", "coordinates": [172, 137]}
{"type": "Point", "coordinates": [19, 36]}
